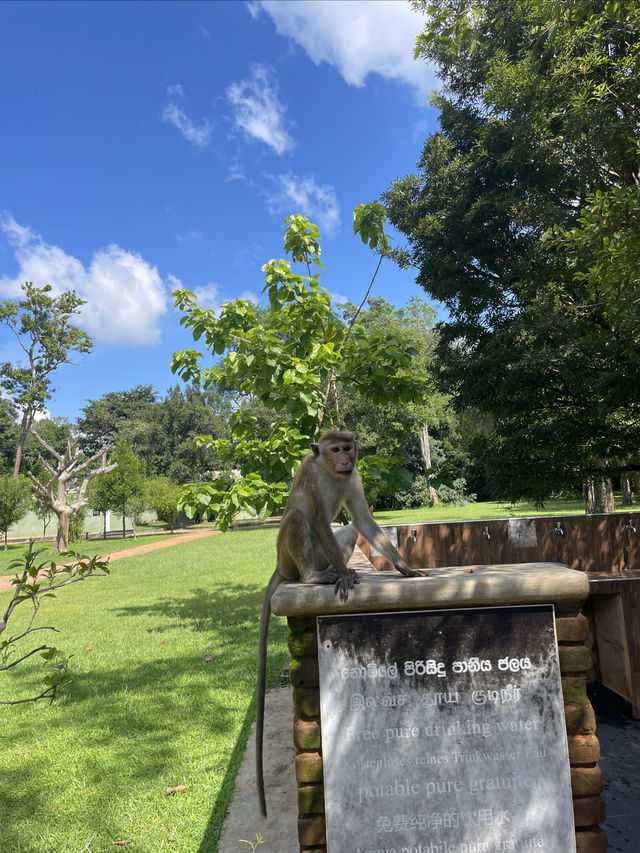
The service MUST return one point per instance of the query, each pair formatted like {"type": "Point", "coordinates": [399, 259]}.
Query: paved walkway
{"type": "Point", "coordinates": [177, 539]}
{"type": "Point", "coordinates": [618, 733]}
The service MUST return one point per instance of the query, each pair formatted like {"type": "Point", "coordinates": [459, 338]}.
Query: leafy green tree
{"type": "Point", "coordinates": [164, 498]}
{"type": "Point", "coordinates": [295, 357]}
{"type": "Point", "coordinates": [41, 511]}
{"type": "Point", "coordinates": [123, 488]}
{"type": "Point", "coordinates": [519, 220]}
{"type": "Point", "coordinates": [42, 326]}
{"type": "Point", "coordinates": [9, 435]}
{"type": "Point", "coordinates": [15, 498]}
{"type": "Point", "coordinates": [127, 415]}
{"type": "Point", "coordinates": [182, 415]}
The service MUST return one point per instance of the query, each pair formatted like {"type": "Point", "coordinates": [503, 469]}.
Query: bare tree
{"type": "Point", "coordinates": [425, 446]}
{"type": "Point", "coordinates": [56, 493]}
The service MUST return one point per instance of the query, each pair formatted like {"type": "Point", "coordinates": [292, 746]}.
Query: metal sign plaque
{"type": "Point", "coordinates": [444, 732]}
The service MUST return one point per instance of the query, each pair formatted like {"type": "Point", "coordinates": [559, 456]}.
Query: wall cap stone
{"type": "Point", "coordinates": [457, 586]}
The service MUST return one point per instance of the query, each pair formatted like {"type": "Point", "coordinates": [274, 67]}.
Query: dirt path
{"type": "Point", "coordinates": [178, 539]}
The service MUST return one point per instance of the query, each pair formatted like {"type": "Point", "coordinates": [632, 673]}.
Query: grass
{"type": "Point", "coordinates": [146, 709]}
{"type": "Point", "coordinates": [88, 547]}
{"type": "Point", "coordinates": [488, 509]}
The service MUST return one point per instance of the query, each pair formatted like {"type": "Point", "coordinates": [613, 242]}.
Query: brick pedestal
{"type": "Point", "coordinates": [576, 670]}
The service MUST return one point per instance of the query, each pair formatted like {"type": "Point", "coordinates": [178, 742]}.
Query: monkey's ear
{"type": "Point", "coordinates": [315, 449]}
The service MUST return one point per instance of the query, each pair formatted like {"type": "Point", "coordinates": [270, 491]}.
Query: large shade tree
{"type": "Point", "coordinates": [523, 220]}
{"type": "Point", "coordinates": [295, 357]}
{"type": "Point", "coordinates": [42, 326]}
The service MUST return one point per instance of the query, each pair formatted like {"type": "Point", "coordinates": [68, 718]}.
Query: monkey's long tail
{"type": "Point", "coordinates": [274, 583]}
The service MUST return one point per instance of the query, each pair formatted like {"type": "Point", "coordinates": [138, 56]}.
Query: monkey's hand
{"type": "Point", "coordinates": [404, 569]}
{"type": "Point", "coordinates": [344, 584]}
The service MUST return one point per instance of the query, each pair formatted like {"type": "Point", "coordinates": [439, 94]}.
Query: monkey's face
{"type": "Point", "coordinates": [341, 458]}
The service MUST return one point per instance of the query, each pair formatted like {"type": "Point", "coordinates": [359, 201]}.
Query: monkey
{"type": "Point", "coordinates": [309, 551]}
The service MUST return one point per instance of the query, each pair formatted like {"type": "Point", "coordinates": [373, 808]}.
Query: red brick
{"type": "Point", "coordinates": [306, 735]}
{"type": "Point", "coordinates": [583, 749]}
{"type": "Point", "coordinates": [306, 702]}
{"type": "Point", "coordinates": [309, 767]}
{"type": "Point", "coordinates": [580, 718]}
{"type": "Point", "coordinates": [591, 841]}
{"type": "Point", "coordinates": [311, 800]}
{"type": "Point", "coordinates": [586, 781]}
{"type": "Point", "coordinates": [572, 629]}
{"type": "Point", "coordinates": [588, 811]}
{"type": "Point", "coordinates": [574, 690]}
{"type": "Point", "coordinates": [304, 644]}
{"type": "Point", "coordinates": [304, 672]}
{"type": "Point", "coordinates": [575, 659]}
{"type": "Point", "coordinates": [311, 831]}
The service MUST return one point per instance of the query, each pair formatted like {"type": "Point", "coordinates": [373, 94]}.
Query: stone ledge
{"type": "Point", "coordinates": [457, 586]}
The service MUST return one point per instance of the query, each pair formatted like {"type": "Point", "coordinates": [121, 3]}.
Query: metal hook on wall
{"type": "Point", "coordinates": [486, 532]}
{"type": "Point", "coordinates": [630, 526]}
{"type": "Point", "coordinates": [559, 529]}
{"type": "Point", "coordinates": [414, 535]}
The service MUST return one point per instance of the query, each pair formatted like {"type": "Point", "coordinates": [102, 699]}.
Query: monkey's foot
{"type": "Point", "coordinates": [329, 575]}
{"type": "Point", "coordinates": [344, 584]}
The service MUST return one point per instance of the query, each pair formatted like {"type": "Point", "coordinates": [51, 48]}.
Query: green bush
{"type": "Point", "coordinates": [455, 494]}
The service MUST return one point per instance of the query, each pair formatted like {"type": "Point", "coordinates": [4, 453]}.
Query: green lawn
{"type": "Point", "coordinates": [88, 547]}
{"type": "Point", "coordinates": [488, 509]}
{"type": "Point", "coordinates": [146, 709]}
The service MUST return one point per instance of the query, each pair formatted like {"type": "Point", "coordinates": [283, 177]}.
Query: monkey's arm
{"type": "Point", "coordinates": [378, 539]}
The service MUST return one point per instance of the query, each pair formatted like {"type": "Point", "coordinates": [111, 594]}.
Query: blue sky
{"type": "Point", "coordinates": [150, 145]}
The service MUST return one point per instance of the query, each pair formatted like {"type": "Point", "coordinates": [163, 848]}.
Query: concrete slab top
{"type": "Point", "coordinates": [455, 586]}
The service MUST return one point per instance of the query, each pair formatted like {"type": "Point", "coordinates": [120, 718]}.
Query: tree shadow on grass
{"type": "Point", "coordinates": [114, 708]}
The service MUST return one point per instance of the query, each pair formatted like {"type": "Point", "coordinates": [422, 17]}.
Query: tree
{"type": "Point", "coordinates": [41, 511]}
{"type": "Point", "coordinates": [120, 414]}
{"type": "Point", "coordinates": [164, 499]}
{"type": "Point", "coordinates": [57, 486]}
{"type": "Point", "coordinates": [42, 326]}
{"type": "Point", "coordinates": [295, 357]}
{"type": "Point", "coordinates": [519, 221]}
{"type": "Point", "coordinates": [123, 487]}
{"type": "Point", "coordinates": [15, 497]}
{"type": "Point", "coordinates": [9, 435]}
{"type": "Point", "coordinates": [182, 415]}
{"type": "Point", "coordinates": [33, 582]}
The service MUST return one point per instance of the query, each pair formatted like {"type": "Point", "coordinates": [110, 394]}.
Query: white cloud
{"type": "Point", "coordinates": [258, 112]}
{"type": "Point", "coordinates": [191, 236]}
{"type": "Point", "coordinates": [208, 296]}
{"type": "Point", "coordinates": [359, 37]}
{"type": "Point", "coordinates": [305, 196]}
{"type": "Point", "coordinates": [125, 296]}
{"type": "Point", "coordinates": [196, 134]}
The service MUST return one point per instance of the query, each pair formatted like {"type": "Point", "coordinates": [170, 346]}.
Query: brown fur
{"type": "Point", "coordinates": [307, 548]}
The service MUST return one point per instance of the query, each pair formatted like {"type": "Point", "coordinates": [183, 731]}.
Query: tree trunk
{"type": "Point", "coordinates": [598, 496]}
{"type": "Point", "coordinates": [104, 524]}
{"type": "Point", "coordinates": [25, 429]}
{"type": "Point", "coordinates": [6, 536]}
{"type": "Point", "coordinates": [124, 527]}
{"type": "Point", "coordinates": [62, 537]}
{"type": "Point", "coordinates": [636, 485]}
{"type": "Point", "coordinates": [625, 487]}
{"type": "Point", "coordinates": [425, 446]}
